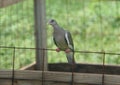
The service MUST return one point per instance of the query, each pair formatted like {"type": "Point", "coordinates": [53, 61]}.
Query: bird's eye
{"type": "Point", "coordinates": [52, 20]}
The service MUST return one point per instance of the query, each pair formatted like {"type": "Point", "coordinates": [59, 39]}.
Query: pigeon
{"type": "Point", "coordinates": [63, 40]}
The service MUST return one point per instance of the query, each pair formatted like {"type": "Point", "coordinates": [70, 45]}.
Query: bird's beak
{"type": "Point", "coordinates": [48, 22]}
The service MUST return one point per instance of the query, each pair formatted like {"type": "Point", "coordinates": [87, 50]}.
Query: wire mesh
{"type": "Point", "coordinates": [16, 29]}
{"type": "Point", "coordinates": [13, 49]}
{"type": "Point", "coordinates": [93, 27]}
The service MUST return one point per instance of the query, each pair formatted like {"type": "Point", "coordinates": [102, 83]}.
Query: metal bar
{"type": "Point", "coordinates": [13, 67]}
{"type": "Point", "coordinates": [43, 74]}
{"type": "Point", "coordinates": [49, 49]}
{"type": "Point", "coordinates": [103, 74]}
{"type": "Point", "coordinates": [72, 76]}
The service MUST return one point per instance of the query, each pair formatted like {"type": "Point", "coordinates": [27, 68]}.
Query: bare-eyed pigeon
{"type": "Point", "coordinates": [63, 40]}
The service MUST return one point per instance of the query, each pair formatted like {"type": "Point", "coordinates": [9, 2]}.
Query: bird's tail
{"type": "Point", "coordinates": [70, 57]}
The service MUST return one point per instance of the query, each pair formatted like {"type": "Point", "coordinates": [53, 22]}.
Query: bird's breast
{"type": "Point", "coordinates": [60, 41]}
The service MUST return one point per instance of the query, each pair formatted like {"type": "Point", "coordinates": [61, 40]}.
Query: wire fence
{"type": "Point", "coordinates": [19, 29]}
{"type": "Point", "coordinates": [13, 60]}
{"type": "Point", "coordinates": [12, 51]}
{"type": "Point", "coordinates": [12, 55]}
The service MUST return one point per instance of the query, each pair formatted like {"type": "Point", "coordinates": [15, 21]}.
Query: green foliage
{"type": "Point", "coordinates": [94, 25]}
{"type": "Point", "coordinates": [17, 29]}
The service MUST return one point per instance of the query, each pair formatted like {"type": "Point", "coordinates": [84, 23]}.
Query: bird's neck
{"type": "Point", "coordinates": [57, 28]}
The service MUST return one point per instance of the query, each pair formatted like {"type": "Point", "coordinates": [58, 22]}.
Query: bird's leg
{"type": "Point", "coordinates": [67, 50]}
{"type": "Point", "coordinates": [58, 49]}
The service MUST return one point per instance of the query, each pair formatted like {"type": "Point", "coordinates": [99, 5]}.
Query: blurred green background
{"type": "Point", "coordinates": [94, 25]}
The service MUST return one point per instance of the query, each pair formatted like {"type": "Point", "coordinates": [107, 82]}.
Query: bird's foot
{"type": "Point", "coordinates": [67, 51]}
{"type": "Point", "coordinates": [57, 50]}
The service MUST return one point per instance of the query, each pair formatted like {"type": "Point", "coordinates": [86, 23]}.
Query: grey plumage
{"type": "Point", "coordinates": [63, 40]}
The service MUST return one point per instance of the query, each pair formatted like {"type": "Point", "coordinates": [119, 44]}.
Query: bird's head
{"type": "Point", "coordinates": [52, 22]}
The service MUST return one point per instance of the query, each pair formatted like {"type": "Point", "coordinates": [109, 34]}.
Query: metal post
{"type": "Point", "coordinates": [40, 34]}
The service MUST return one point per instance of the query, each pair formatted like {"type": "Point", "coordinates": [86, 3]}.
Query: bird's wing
{"type": "Point", "coordinates": [55, 41]}
{"type": "Point", "coordinates": [70, 56]}
{"type": "Point", "coordinates": [69, 40]}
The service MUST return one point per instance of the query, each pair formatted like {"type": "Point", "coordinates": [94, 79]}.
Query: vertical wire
{"type": "Point", "coordinates": [101, 23]}
{"type": "Point", "coordinates": [84, 28]}
{"type": "Point", "coordinates": [12, 20]}
{"type": "Point", "coordinates": [103, 70]}
{"type": "Point", "coordinates": [101, 27]}
{"type": "Point", "coordinates": [30, 19]}
{"type": "Point", "coordinates": [24, 19]}
{"type": "Point", "coordinates": [73, 69]}
{"type": "Point", "coordinates": [0, 27]}
{"type": "Point", "coordinates": [33, 38]}
{"type": "Point", "coordinates": [27, 13]}
{"type": "Point", "coordinates": [2, 23]}
{"type": "Point", "coordinates": [17, 24]}
{"type": "Point", "coordinates": [43, 68]}
{"type": "Point", "coordinates": [117, 22]}
{"type": "Point", "coordinates": [27, 32]}
{"type": "Point", "coordinates": [10, 26]}
{"type": "Point", "coordinates": [0, 59]}
{"type": "Point", "coordinates": [10, 23]}
{"type": "Point", "coordinates": [117, 12]}
{"type": "Point", "coordinates": [13, 67]}
{"type": "Point", "coordinates": [67, 18]}
{"type": "Point", "coordinates": [11, 12]}
{"type": "Point", "coordinates": [117, 16]}
{"type": "Point", "coordinates": [84, 24]}
{"type": "Point", "coordinates": [5, 12]}
{"type": "Point", "coordinates": [22, 32]}
{"type": "Point", "coordinates": [5, 26]}
{"type": "Point", "coordinates": [16, 34]}
{"type": "Point", "coordinates": [0, 39]}
{"type": "Point", "coordinates": [23, 24]}
{"type": "Point", "coordinates": [11, 34]}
